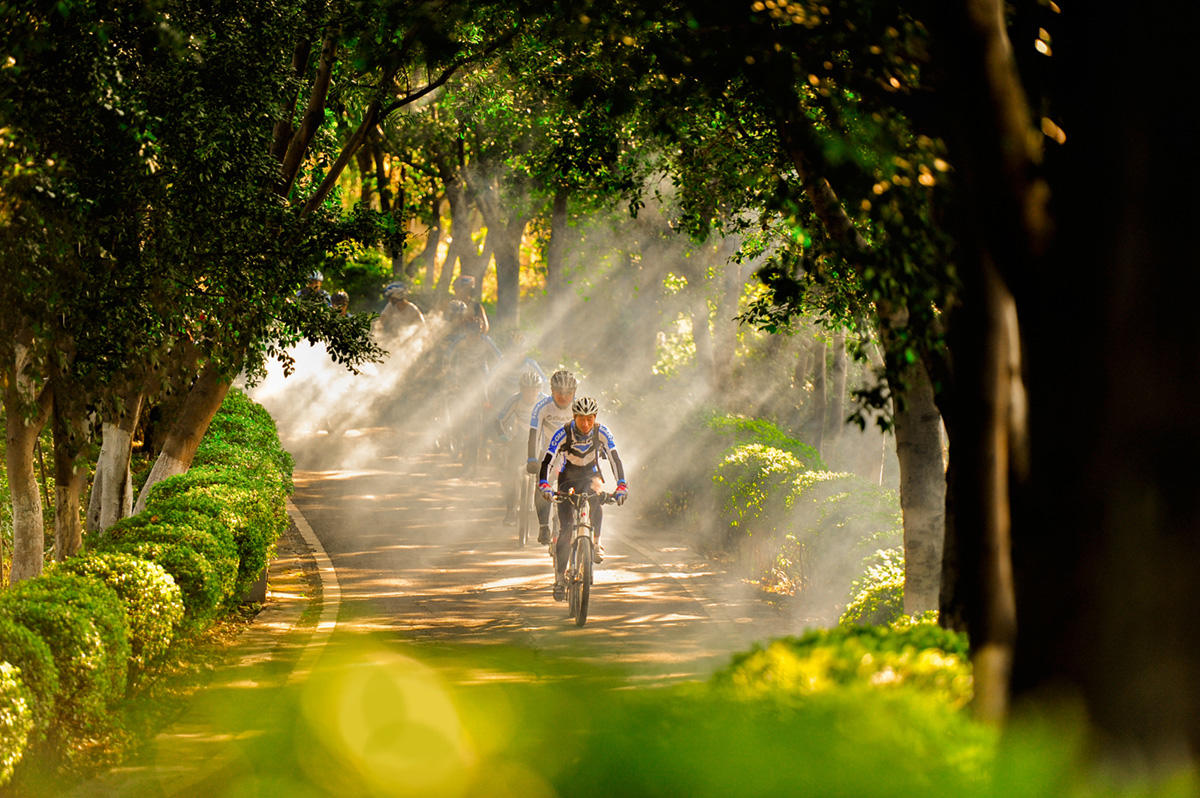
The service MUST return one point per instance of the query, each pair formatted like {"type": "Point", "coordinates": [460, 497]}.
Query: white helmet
{"type": "Point", "coordinates": [530, 379]}
{"type": "Point", "coordinates": [562, 381]}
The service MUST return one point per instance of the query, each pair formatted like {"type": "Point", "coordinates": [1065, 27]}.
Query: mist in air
{"type": "Point", "coordinates": [647, 322]}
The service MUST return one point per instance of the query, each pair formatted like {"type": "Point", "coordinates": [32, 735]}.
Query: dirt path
{"type": "Point", "coordinates": [422, 557]}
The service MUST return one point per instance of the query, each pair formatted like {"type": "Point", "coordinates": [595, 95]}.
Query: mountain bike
{"type": "Point", "coordinates": [580, 564]}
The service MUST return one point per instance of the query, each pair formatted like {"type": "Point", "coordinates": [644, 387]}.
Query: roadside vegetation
{"type": "Point", "coordinates": [777, 225]}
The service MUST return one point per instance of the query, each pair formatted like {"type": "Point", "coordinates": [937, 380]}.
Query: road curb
{"type": "Point", "coordinates": [331, 596]}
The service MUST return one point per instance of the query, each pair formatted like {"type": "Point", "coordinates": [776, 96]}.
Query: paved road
{"type": "Point", "coordinates": [422, 557]}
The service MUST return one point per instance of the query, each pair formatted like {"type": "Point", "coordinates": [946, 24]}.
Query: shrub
{"type": "Point", "coordinates": [878, 595]}
{"type": "Point", "coordinates": [212, 541]}
{"type": "Point", "coordinates": [29, 652]}
{"type": "Point", "coordinates": [16, 719]}
{"type": "Point", "coordinates": [83, 623]}
{"type": "Point", "coordinates": [243, 431]}
{"type": "Point", "coordinates": [907, 655]}
{"type": "Point", "coordinates": [254, 517]}
{"type": "Point", "coordinates": [153, 602]}
{"type": "Point", "coordinates": [198, 581]}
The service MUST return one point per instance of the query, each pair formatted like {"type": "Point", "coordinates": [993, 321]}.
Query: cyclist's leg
{"type": "Point", "coordinates": [543, 513]}
{"type": "Point", "coordinates": [566, 527]}
{"type": "Point", "coordinates": [597, 517]}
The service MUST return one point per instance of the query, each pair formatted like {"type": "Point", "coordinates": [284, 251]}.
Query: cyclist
{"type": "Point", "coordinates": [548, 416]}
{"type": "Point", "coordinates": [400, 313]}
{"type": "Point", "coordinates": [509, 423]}
{"type": "Point", "coordinates": [312, 290]}
{"type": "Point", "coordinates": [579, 444]}
{"type": "Point", "coordinates": [464, 291]}
{"type": "Point", "coordinates": [340, 302]}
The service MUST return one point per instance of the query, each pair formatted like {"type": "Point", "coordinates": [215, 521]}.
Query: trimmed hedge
{"type": "Point", "coordinates": [152, 600]}
{"type": "Point", "coordinates": [29, 652]}
{"type": "Point", "coordinates": [247, 503]}
{"type": "Point", "coordinates": [83, 622]}
{"type": "Point", "coordinates": [16, 719]}
{"type": "Point", "coordinates": [73, 639]}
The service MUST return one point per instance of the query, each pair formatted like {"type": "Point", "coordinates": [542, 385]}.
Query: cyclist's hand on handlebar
{"type": "Point", "coordinates": [620, 493]}
{"type": "Point", "coordinates": [547, 492]}
{"type": "Point", "coordinates": [531, 466]}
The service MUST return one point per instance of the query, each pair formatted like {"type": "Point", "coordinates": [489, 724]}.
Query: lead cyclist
{"type": "Point", "coordinates": [574, 456]}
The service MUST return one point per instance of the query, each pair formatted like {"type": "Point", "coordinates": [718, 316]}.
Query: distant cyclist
{"type": "Point", "coordinates": [340, 302]}
{"type": "Point", "coordinates": [312, 291]}
{"type": "Point", "coordinates": [510, 423]}
{"type": "Point", "coordinates": [464, 291]}
{"type": "Point", "coordinates": [400, 313]}
{"type": "Point", "coordinates": [574, 458]}
{"type": "Point", "coordinates": [547, 417]}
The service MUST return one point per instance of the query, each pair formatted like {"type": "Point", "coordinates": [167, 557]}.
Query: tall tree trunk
{"type": "Point", "coordinates": [507, 249]}
{"type": "Point", "coordinates": [112, 487]}
{"type": "Point", "coordinates": [556, 247]}
{"type": "Point", "coordinates": [461, 228]}
{"type": "Point", "coordinates": [69, 440]}
{"type": "Point", "coordinates": [1107, 544]}
{"type": "Point", "coordinates": [427, 257]}
{"type": "Point", "coordinates": [835, 417]}
{"type": "Point", "coordinates": [22, 435]}
{"type": "Point", "coordinates": [202, 403]}
{"type": "Point", "coordinates": [922, 487]}
{"type": "Point", "coordinates": [977, 581]}
{"type": "Point", "coordinates": [813, 429]}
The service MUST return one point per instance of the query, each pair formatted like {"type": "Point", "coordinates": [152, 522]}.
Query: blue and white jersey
{"type": "Point", "coordinates": [569, 447]}
{"type": "Point", "coordinates": [546, 418]}
{"type": "Point", "coordinates": [514, 411]}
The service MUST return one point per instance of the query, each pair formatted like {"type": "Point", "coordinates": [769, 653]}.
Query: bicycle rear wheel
{"type": "Point", "coordinates": [583, 572]}
{"type": "Point", "coordinates": [524, 510]}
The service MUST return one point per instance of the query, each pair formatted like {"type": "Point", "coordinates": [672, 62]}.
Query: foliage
{"type": "Point", "coordinates": [744, 429]}
{"type": "Point", "coordinates": [16, 719]}
{"type": "Point", "coordinates": [83, 624]}
{"type": "Point", "coordinates": [919, 656]}
{"type": "Point", "coordinates": [243, 426]}
{"type": "Point", "coordinates": [152, 601]}
{"type": "Point", "coordinates": [202, 561]}
{"type": "Point", "coordinates": [28, 651]}
{"type": "Point", "coordinates": [877, 595]}
{"type": "Point", "coordinates": [806, 519]}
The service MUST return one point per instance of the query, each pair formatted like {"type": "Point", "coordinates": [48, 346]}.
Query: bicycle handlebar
{"type": "Point", "coordinates": [605, 498]}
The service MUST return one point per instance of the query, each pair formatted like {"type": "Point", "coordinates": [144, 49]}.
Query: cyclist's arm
{"type": "Point", "coordinates": [552, 454]}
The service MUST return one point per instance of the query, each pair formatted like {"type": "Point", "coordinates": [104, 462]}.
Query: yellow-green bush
{"type": "Point", "coordinates": [83, 624]}
{"type": "Point", "coordinates": [151, 598]}
{"type": "Point", "coordinates": [878, 595]}
{"type": "Point", "coordinates": [29, 652]}
{"type": "Point", "coordinates": [907, 655]}
{"type": "Point", "coordinates": [16, 718]}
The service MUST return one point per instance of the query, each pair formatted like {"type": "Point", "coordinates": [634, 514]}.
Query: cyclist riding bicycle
{"type": "Point", "coordinates": [578, 446]}
{"type": "Point", "coordinates": [510, 422]}
{"type": "Point", "coordinates": [548, 416]}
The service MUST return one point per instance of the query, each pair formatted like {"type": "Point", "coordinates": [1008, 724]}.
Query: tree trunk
{"type": "Point", "coordinates": [461, 229]}
{"type": "Point", "coordinates": [69, 440]}
{"type": "Point", "coordinates": [835, 417]}
{"type": "Point", "coordinates": [1106, 545]}
{"type": "Point", "coordinates": [112, 487]}
{"type": "Point", "coordinates": [556, 247]}
{"type": "Point", "coordinates": [22, 435]}
{"type": "Point", "coordinates": [507, 249]}
{"type": "Point", "coordinates": [922, 487]}
{"type": "Point", "coordinates": [188, 428]}
{"type": "Point", "coordinates": [813, 429]}
{"type": "Point", "coordinates": [427, 257]}
{"type": "Point", "coordinates": [977, 583]}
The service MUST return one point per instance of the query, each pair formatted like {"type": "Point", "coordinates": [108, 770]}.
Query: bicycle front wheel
{"type": "Point", "coordinates": [583, 571]}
